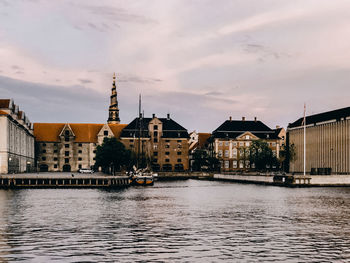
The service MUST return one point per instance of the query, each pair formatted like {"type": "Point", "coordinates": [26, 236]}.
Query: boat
{"type": "Point", "coordinates": [141, 177]}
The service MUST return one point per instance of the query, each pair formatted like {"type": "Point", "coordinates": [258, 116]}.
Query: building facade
{"type": "Point", "coordinates": [163, 141]}
{"type": "Point", "coordinates": [70, 146]}
{"type": "Point", "coordinates": [327, 142]}
{"type": "Point", "coordinates": [16, 139]}
{"type": "Point", "coordinates": [233, 138]}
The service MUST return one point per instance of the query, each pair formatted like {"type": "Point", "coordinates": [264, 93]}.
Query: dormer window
{"type": "Point", "coordinates": [155, 127]}
{"type": "Point", "coordinates": [66, 133]}
{"type": "Point", "coordinates": [105, 133]}
{"type": "Point", "coordinates": [247, 137]}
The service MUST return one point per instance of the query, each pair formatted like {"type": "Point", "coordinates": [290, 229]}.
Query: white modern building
{"type": "Point", "coordinates": [16, 139]}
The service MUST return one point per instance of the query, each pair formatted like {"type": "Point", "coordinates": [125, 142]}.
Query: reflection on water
{"type": "Point", "coordinates": [195, 221]}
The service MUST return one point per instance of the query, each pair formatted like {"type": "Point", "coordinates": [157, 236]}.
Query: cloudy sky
{"type": "Point", "coordinates": [199, 60]}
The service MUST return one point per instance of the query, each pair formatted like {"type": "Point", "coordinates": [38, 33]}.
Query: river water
{"type": "Point", "coordinates": [179, 221]}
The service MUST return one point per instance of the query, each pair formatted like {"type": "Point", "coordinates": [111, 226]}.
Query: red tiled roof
{"type": "Point", "coordinates": [202, 139]}
{"type": "Point", "coordinates": [4, 103]}
{"type": "Point", "coordinates": [84, 132]}
{"type": "Point", "coordinates": [3, 112]}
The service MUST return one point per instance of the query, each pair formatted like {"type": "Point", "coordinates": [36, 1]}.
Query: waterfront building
{"type": "Point", "coordinates": [232, 139]}
{"type": "Point", "coordinates": [162, 141]}
{"type": "Point", "coordinates": [16, 139]}
{"type": "Point", "coordinates": [71, 146]}
{"type": "Point", "coordinates": [327, 142]}
{"type": "Point", "coordinates": [199, 141]}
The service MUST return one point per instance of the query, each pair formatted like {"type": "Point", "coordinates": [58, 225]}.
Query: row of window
{"type": "Point", "coordinates": [166, 153]}
{"type": "Point", "coordinates": [236, 164]}
{"type": "Point", "coordinates": [66, 160]}
{"type": "Point", "coordinates": [241, 144]}
{"type": "Point", "coordinates": [167, 160]}
{"type": "Point", "coordinates": [66, 152]}
{"type": "Point", "coordinates": [55, 144]}
{"type": "Point", "coordinates": [242, 152]}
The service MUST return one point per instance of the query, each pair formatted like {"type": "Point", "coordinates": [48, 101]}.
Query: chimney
{"type": "Point", "coordinates": [230, 118]}
{"type": "Point", "coordinates": [168, 116]}
{"type": "Point", "coordinates": [255, 119]}
{"type": "Point", "coordinates": [243, 118]}
{"type": "Point", "coordinates": [153, 116]}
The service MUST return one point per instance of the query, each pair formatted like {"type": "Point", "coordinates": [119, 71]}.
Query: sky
{"type": "Point", "coordinates": [202, 61]}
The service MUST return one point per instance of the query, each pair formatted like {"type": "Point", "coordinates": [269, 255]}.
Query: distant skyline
{"type": "Point", "coordinates": [199, 60]}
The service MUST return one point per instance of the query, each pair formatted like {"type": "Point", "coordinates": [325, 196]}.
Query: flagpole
{"type": "Point", "coordinates": [304, 139]}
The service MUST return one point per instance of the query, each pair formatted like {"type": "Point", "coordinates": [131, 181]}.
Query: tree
{"type": "Point", "coordinates": [112, 155]}
{"type": "Point", "coordinates": [202, 161]}
{"type": "Point", "coordinates": [261, 155]}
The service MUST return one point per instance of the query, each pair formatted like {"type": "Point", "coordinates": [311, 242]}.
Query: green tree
{"type": "Point", "coordinates": [202, 161]}
{"type": "Point", "coordinates": [261, 155]}
{"type": "Point", "coordinates": [112, 155]}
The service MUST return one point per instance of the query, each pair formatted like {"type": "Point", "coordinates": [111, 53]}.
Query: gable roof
{"type": "Point", "coordinates": [203, 139]}
{"type": "Point", "coordinates": [171, 129]}
{"type": "Point", "coordinates": [234, 128]}
{"type": "Point", "coordinates": [84, 132]}
{"type": "Point", "coordinates": [335, 115]}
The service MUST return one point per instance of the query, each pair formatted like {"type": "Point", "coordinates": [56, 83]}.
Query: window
{"type": "Point", "coordinates": [241, 152]}
{"type": "Point", "coordinates": [220, 153]}
{"type": "Point", "coordinates": [274, 152]}
{"type": "Point", "coordinates": [105, 133]}
{"type": "Point", "coordinates": [43, 158]}
{"type": "Point", "coordinates": [220, 143]}
{"type": "Point", "coordinates": [131, 140]}
{"type": "Point", "coordinates": [234, 164]}
{"type": "Point", "coordinates": [226, 153]}
{"type": "Point", "coordinates": [241, 164]}
{"type": "Point", "coordinates": [66, 139]}
{"type": "Point", "coordinates": [80, 144]}
{"type": "Point", "coordinates": [66, 153]}
{"type": "Point", "coordinates": [227, 164]}
{"type": "Point", "coordinates": [247, 164]}
{"type": "Point", "coordinates": [282, 137]}
{"type": "Point", "coordinates": [155, 160]}
{"type": "Point", "coordinates": [44, 151]}
{"type": "Point", "coordinates": [66, 133]}
{"type": "Point", "coordinates": [94, 151]}
{"type": "Point", "coordinates": [167, 146]}
{"type": "Point", "coordinates": [274, 144]}
{"type": "Point", "coordinates": [179, 141]}
{"type": "Point", "coordinates": [247, 144]}
{"type": "Point", "coordinates": [155, 127]}
{"type": "Point", "coordinates": [155, 134]}
{"type": "Point", "coordinates": [55, 144]}
{"type": "Point", "coordinates": [226, 143]}
{"type": "Point", "coordinates": [94, 159]}
{"type": "Point", "coordinates": [234, 144]}
{"type": "Point", "coordinates": [66, 160]}
{"type": "Point", "coordinates": [247, 137]}
{"type": "Point", "coordinates": [241, 144]}
{"type": "Point", "coordinates": [80, 151]}
{"type": "Point", "coordinates": [55, 159]}
{"type": "Point", "coordinates": [55, 166]}
{"type": "Point", "coordinates": [155, 139]}
{"type": "Point", "coordinates": [66, 146]}
{"type": "Point", "coordinates": [167, 160]}
{"type": "Point", "coordinates": [167, 153]}
{"type": "Point", "coordinates": [247, 152]}
{"type": "Point", "coordinates": [80, 159]}
{"type": "Point", "coordinates": [80, 166]}
{"type": "Point", "coordinates": [155, 153]}
{"type": "Point", "coordinates": [155, 146]}
{"type": "Point", "coordinates": [179, 153]}
{"type": "Point", "coordinates": [44, 144]}
{"type": "Point", "coordinates": [179, 145]}
{"type": "Point", "coordinates": [167, 140]}
{"type": "Point", "coordinates": [131, 146]}
{"type": "Point", "coordinates": [179, 160]}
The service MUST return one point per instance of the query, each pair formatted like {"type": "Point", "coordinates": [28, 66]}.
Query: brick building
{"type": "Point", "coordinates": [162, 140]}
